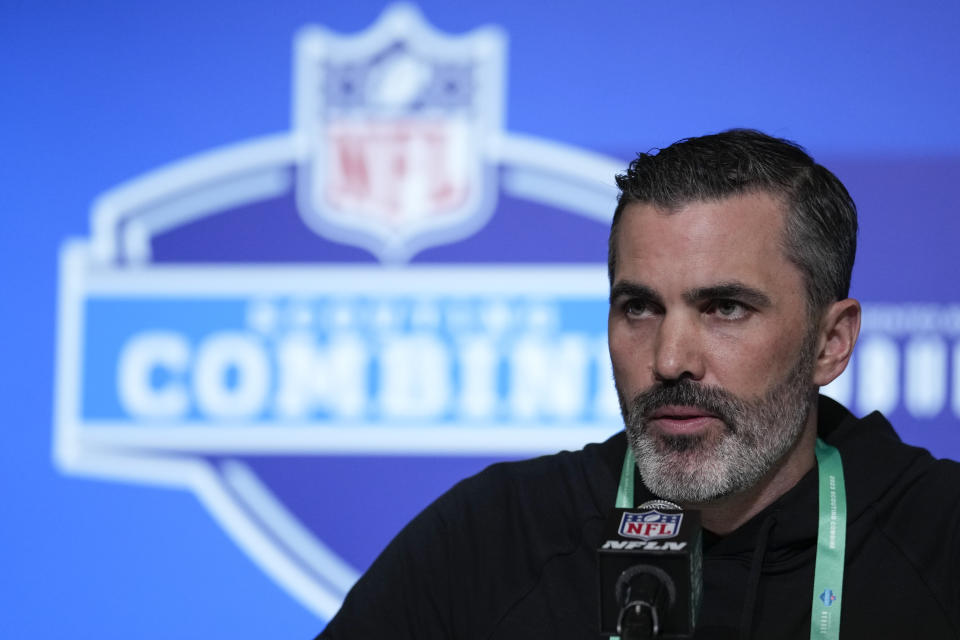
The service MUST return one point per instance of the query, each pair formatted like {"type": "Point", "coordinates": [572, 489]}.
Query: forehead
{"type": "Point", "coordinates": [701, 242]}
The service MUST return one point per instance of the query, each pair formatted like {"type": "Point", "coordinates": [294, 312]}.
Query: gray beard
{"type": "Point", "coordinates": [704, 467]}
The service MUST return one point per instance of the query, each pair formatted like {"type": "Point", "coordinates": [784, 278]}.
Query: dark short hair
{"type": "Point", "coordinates": [820, 231]}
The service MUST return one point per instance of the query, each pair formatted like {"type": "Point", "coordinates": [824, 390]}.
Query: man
{"type": "Point", "coordinates": [730, 262]}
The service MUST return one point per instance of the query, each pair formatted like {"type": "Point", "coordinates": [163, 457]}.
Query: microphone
{"type": "Point", "coordinates": [650, 572]}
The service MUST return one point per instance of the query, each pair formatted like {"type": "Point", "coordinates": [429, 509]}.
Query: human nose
{"type": "Point", "coordinates": [677, 354]}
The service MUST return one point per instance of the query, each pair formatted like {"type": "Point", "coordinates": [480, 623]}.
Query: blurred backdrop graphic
{"type": "Point", "coordinates": [278, 274]}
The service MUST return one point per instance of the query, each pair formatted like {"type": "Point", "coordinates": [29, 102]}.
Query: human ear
{"type": "Point", "coordinates": [839, 328]}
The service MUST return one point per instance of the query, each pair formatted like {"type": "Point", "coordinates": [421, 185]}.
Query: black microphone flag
{"type": "Point", "coordinates": [650, 572]}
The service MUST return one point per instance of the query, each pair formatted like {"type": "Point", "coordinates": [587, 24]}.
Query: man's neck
{"type": "Point", "coordinates": [727, 514]}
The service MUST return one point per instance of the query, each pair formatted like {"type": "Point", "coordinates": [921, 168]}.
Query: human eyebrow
{"type": "Point", "coordinates": [730, 291]}
{"type": "Point", "coordinates": [634, 290]}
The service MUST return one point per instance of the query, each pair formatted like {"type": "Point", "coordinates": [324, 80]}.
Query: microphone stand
{"type": "Point", "coordinates": [638, 620]}
{"type": "Point", "coordinates": [646, 593]}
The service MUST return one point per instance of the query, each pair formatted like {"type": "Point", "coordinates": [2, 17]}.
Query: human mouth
{"type": "Point", "coordinates": [681, 420]}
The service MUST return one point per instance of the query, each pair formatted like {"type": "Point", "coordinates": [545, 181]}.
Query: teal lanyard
{"type": "Point", "coordinates": [831, 543]}
{"type": "Point", "coordinates": [625, 488]}
{"type": "Point", "coordinates": [831, 537]}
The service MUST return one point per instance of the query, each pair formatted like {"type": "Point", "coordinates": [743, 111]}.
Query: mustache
{"type": "Point", "coordinates": [713, 400]}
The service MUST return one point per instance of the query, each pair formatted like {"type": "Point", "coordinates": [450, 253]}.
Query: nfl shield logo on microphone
{"type": "Point", "coordinates": [650, 525]}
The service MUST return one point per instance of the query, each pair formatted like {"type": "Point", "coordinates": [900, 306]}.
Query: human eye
{"type": "Point", "coordinates": [727, 309]}
{"type": "Point", "coordinates": [637, 308]}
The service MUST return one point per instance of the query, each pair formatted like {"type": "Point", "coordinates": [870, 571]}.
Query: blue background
{"type": "Point", "coordinates": [96, 93]}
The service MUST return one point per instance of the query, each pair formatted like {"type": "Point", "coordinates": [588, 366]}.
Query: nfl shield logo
{"type": "Point", "coordinates": [650, 525]}
{"type": "Point", "coordinates": [397, 128]}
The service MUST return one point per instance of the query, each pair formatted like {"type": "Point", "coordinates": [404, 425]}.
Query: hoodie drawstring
{"type": "Point", "coordinates": [753, 581]}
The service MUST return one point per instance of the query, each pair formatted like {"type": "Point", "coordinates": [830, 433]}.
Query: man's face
{"type": "Point", "coordinates": [711, 349]}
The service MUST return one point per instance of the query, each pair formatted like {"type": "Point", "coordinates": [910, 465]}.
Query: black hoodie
{"type": "Point", "coordinates": [511, 552]}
